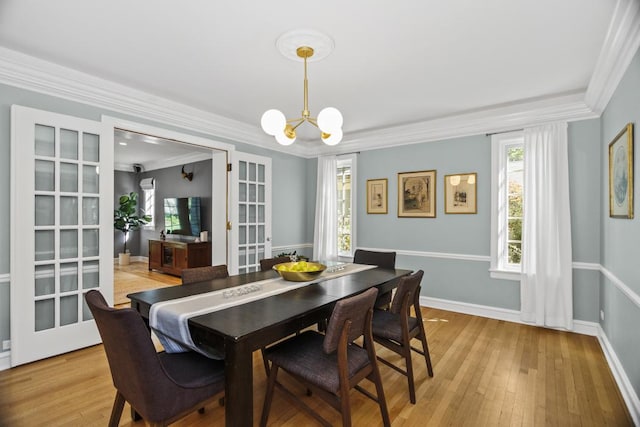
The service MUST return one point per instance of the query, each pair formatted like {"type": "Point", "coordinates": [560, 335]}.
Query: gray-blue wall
{"type": "Point", "coordinates": [620, 238]}
{"type": "Point", "coordinates": [169, 183]}
{"type": "Point", "coordinates": [444, 242]}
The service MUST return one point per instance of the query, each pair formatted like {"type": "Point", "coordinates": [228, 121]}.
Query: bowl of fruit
{"type": "Point", "coordinates": [301, 271]}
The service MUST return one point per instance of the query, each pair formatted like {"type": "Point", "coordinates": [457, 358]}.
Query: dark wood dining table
{"type": "Point", "coordinates": [244, 328]}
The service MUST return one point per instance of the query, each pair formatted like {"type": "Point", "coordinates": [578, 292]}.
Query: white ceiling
{"type": "Point", "coordinates": [395, 64]}
{"type": "Point", "coordinates": [149, 152]}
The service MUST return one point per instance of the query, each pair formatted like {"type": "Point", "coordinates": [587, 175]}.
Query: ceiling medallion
{"type": "Point", "coordinates": [304, 45]}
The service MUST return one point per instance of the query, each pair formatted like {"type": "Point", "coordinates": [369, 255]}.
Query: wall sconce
{"type": "Point", "coordinates": [188, 176]}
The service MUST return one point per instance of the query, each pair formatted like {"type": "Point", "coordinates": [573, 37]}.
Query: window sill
{"type": "Point", "coordinates": [505, 274]}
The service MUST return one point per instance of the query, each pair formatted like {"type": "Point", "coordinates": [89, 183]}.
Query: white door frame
{"type": "Point", "coordinates": [219, 236]}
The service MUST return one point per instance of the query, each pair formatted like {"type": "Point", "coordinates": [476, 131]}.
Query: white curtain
{"type": "Point", "coordinates": [325, 236]}
{"type": "Point", "coordinates": [546, 293]}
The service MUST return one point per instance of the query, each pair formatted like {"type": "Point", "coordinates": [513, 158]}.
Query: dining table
{"type": "Point", "coordinates": [237, 331]}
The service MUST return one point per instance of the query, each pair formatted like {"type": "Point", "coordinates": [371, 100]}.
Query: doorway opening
{"type": "Point", "coordinates": [162, 166]}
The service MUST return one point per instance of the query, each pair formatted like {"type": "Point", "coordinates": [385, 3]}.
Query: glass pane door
{"type": "Point", "coordinates": [57, 257]}
{"type": "Point", "coordinates": [253, 221]}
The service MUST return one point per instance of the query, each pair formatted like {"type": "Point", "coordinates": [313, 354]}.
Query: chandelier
{"type": "Point", "coordinates": [329, 120]}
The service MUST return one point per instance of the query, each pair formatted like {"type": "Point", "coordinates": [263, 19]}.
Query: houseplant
{"type": "Point", "coordinates": [125, 219]}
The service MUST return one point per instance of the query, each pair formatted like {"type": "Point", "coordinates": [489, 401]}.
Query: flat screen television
{"type": "Point", "coordinates": [182, 216]}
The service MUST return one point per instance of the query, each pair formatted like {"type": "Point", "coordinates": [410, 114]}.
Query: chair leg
{"type": "Point", "coordinates": [345, 408]}
{"type": "Point", "coordinates": [116, 411]}
{"type": "Point", "coordinates": [425, 349]}
{"type": "Point", "coordinates": [382, 401]}
{"type": "Point", "coordinates": [406, 350]}
{"type": "Point", "coordinates": [268, 397]}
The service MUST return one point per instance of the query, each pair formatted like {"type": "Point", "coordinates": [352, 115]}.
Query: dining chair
{"type": "Point", "coordinates": [331, 364]}
{"type": "Point", "coordinates": [395, 328]}
{"type": "Point", "coordinates": [268, 263]}
{"type": "Point", "coordinates": [382, 260]}
{"type": "Point", "coordinates": [160, 387]}
{"type": "Point", "coordinates": [201, 274]}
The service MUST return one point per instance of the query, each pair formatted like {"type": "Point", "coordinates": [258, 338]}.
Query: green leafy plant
{"type": "Point", "coordinates": [125, 218]}
{"type": "Point", "coordinates": [293, 254]}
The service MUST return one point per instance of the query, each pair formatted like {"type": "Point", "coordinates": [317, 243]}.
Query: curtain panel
{"type": "Point", "coordinates": [325, 235]}
{"type": "Point", "coordinates": [546, 286]}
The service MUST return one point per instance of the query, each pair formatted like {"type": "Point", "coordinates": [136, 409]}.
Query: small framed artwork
{"type": "Point", "coordinates": [377, 196]}
{"type": "Point", "coordinates": [417, 194]}
{"type": "Point", "coordinates": [621, 174]}
{"type": "Point", "coordinates": [460, 193]}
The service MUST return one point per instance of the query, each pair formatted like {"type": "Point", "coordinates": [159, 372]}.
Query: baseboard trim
{"type": "Point", "coordinates": [5, 360]}
{"type": "Point", "coordinates": [473, 309]}
{"type": "Point", "coordinates": [626, 388]}
{"type": "Point", "coordinates": [579, 326]}
{"type": "Point", "coordinates": [136, 258]}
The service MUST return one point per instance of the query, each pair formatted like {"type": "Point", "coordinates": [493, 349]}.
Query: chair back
{"type": "Point", "coordinates": [202, 274]}
{"type": "Point", "coordinates": [356, 310]}
{"type": "Point", "coordinates": [407, 288]}
{"type": "Point", "coordinates": [381, 259]}
{"type": "Point", "coordinates": [135, 368]}
{"type": "Point", "coordinates": [267, 263]}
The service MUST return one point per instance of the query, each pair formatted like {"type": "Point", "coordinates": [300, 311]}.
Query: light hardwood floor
{"type": "Point", "coordinates": [136, 277]}
{"type": "Point", "coordinates": [487, 373]}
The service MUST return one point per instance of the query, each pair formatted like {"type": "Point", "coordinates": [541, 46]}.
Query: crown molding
{"type": "Point", "coordinates": [568, 107]}
{"type": "Point", "coordinates": [165, 163]}
{"type": "Point", "coordinates": [620, 46]}
{"type": "Point", "coordinates": [31, 73]}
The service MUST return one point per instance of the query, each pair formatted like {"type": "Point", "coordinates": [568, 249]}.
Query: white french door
{"type": "Point", "coordinates": [61, 232]}
{"type": "Point", "coordinates": [251, 213]}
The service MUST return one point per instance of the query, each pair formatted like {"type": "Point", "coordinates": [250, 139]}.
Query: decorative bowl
{"type": "Point", "coordinates": [301, 271]}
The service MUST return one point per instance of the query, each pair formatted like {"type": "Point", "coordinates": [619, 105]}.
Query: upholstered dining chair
{"type": "Point", "coordinates": [331, 364]}
{"type": "Point", "coordinates": [200, 274]}
{"type": "Point", "coordinates": [267, 263]}
{"type": "Point", "coordinates": [395, 328]}
{"type": "Point", "coordinates": [382, 260]}
{"type": "Point", "coordinates": [160, 387]}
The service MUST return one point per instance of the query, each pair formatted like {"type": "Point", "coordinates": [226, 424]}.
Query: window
{"type": "Point", "coordinates": [149, 206]}
{"type": "Point", "coordinates": [148, 203]}
{"type": "Point", "coordinates": [507, 192]}
{"type": "Point", "coordinates": [345, 206]}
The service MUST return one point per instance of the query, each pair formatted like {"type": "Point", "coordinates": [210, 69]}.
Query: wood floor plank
{"type": "Point", "coordinates": [487, 373]}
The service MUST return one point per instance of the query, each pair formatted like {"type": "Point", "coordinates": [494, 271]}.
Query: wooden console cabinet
{"type": "Point", "coordinates": [172, 257]}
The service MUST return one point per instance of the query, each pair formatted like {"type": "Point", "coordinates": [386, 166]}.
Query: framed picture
{"type": "Point", "coordinates": [377, 196]}
{"type": "Point", "coordinates": [621, 174]}
{"type": "Point", "coordinates": [417, 194]}
{"type": "Point", "coordinates": [460, 193]}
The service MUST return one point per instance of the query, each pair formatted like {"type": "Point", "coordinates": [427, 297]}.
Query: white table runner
{"type": "Point", "coordinates": [169, 319]}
